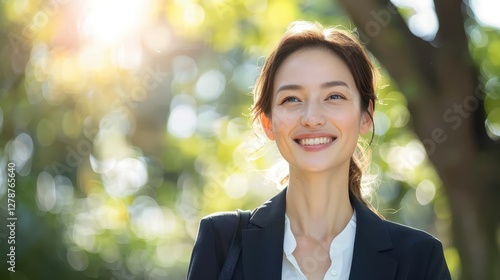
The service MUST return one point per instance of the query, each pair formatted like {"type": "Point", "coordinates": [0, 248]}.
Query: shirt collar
{"type": "Point", "coordinates": [342, 241]}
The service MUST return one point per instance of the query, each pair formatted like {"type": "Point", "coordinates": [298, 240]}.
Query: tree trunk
{"type": "Point", "coordinates": [445, 100]}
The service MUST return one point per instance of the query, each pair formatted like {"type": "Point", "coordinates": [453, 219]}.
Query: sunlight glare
{"type": "Point", "coordinates": [111, 21]}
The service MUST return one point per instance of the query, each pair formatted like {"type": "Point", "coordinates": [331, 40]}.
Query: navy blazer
{"type": "Point", "coordinates": [382, 249]}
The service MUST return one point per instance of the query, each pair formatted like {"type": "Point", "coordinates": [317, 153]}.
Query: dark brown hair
{"type": "Point", "coordinates": [344, 44]}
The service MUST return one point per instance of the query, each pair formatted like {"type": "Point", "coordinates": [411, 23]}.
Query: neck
{"type": "Point", "coordinates": [317, 204]}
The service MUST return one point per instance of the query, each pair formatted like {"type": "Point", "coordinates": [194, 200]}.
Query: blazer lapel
{"type": "Point", "coordinates": [372, 239]}
{"type": "Point", "coordinates": [262, 241]}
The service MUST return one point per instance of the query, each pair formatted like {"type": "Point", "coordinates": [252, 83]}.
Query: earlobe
{"type": "Point", "coordinates": [267, 126]}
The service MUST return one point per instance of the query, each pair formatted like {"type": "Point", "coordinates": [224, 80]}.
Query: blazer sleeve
{"type": "Point", "coordinates": [203, 264]}
{"type": "Point", "coordinates": [211, 246]}
{"type": "Point", "coordinates": [425, 260]}
{"type": "Point", "coordinates": [437, 267]}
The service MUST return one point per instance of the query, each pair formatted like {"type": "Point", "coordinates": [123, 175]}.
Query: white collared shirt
{"type": "Point", "coordinates": [341, 251]}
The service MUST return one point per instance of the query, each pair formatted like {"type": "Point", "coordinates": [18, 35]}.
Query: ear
{"type": "Point", "coordinates": [267, 126]}
{"type": "Point", "coordinates": [366, 122]}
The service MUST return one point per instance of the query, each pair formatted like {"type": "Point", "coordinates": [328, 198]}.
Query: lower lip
{"type": "Point", "coordinates": [316, 148]}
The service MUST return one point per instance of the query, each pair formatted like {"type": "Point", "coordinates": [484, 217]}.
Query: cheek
{"type": "Point", "coordinates": [282, 120]}
{"type": "Point", "coordinates": [346, 120]}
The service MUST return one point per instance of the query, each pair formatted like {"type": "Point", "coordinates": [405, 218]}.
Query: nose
{"type": "Point", "coordinates": [313, 115]}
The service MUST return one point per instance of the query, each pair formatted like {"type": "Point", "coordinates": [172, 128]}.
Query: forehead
{"type": "Point", "coordinates": [313, 66]}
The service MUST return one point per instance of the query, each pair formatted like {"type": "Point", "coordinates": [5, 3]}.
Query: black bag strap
{"type": "Point", "coordinates": [233, 254]}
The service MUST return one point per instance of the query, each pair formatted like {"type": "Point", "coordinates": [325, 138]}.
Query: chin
{"type": "Point", "coordinates": [313, 168]}
{"type": "Point", "coordinates": [320, 166]}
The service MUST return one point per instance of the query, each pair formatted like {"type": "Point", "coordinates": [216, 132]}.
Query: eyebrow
{"type": "Point", "coordinates": [323, 85]}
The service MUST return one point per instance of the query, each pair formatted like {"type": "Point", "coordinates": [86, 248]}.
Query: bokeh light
{"type": "Point", "coordinates": [423, 22]}
{"type": "Point", "coordinates": [486, 12]}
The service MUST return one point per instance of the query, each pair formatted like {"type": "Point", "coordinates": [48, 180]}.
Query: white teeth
{"type": "Point", "coordinates": [315, 141]}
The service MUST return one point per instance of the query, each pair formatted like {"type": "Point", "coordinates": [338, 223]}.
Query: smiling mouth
{"type": "Point", "coordinates": [315, 141]}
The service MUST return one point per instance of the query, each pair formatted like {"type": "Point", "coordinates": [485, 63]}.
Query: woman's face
{"type": "Point", "coordinates": [316, 117]}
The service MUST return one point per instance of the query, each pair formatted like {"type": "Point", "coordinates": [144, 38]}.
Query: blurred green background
{"type": "Point", "coordinates": [127, 122]}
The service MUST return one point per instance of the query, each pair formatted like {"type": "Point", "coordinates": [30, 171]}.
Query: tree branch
{"type": "Point", "coordinates": [387, 36]}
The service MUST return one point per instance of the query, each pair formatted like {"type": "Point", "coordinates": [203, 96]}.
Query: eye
{"type": "Point", "coordinates": [335, 96]}
{"type": "Point", "coordinates": [291, 99]}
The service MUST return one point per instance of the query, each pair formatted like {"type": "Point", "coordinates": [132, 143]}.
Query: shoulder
{"type": "Point", "coordinates": [406, 236]}
{"type": "Point", "coordinates": [388, 234]}
{"type": "Point", "coordinates": [413, 246]}
{"type": "Point", "coordinates": [220, 218]}
{"type": "Point", "coordinates": [419, 253]}
{"type": "Point", "coordinates": [223, 224]}
{"type": "Point", "coordinates": [219, 224]}
{"type": "Point", "coordinates": [401, 240]}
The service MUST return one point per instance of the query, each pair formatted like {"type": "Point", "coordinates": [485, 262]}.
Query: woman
{"type": "Point", "coordinates": [314, 97]}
